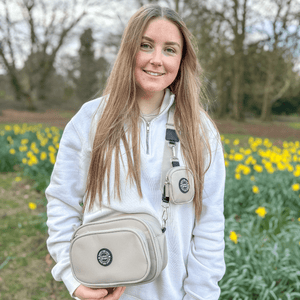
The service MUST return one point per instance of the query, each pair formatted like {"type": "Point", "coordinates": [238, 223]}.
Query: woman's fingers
{"type": "Point", "coordinates": [84, 293]}
{"type": "Point", "coordinates": [116, 294]}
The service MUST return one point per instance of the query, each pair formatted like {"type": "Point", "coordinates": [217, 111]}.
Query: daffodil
{"type": "Point", "coordinates": [238, 157]}
{"type": "Point", "coordinates": [233, 236]}
{"type": "Point", "coordinates": [24, 141]}
{"type": "Point", "coordinates": [32, 205]}
{"type": "Point", "coordinates": [258, 168]}
{"type": "Point", "coordinates": [12, 151]}
{"type": "Point", "coordinates": [52, 158]}
{"type": "Point", "coordinates": [255, 189]}
{"type": "Point", "coordinates": [296, 187]}
{"type": "Point", "coordinates": [246, 170]}
{"type": "Point", "coordinates": [236, 142]}
{"type": "Point", "coordinates": [23, 148]}
{"type": "Point", "coordinates": [261, 211]}
{"type": "Point", "coordinates": [43, 156]}
{"type": "Point", "coordinates": [52, 149]}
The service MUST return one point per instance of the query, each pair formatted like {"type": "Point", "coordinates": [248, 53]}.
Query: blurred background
{"type": "Point", "coordinates": [58, 54]}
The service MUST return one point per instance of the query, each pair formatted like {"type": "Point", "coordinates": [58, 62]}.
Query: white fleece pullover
{"type": "Point", "coordinates": [195, 250]}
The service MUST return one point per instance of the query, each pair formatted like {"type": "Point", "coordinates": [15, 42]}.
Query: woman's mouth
{"type": "Point", "coordinates": [153, 73]}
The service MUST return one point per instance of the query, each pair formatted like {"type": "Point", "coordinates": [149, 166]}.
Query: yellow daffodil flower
{"type": "Point", "coordinates": [236, 142]}
{"type": "Point", "coordinates": [258, 168]}
{"type": "Point", "coordinates": [233, 236]}
{"type": "Point", "coordinates": [24, 141]}
{"type": "Point", "coordinates": [32, 205]}
{"type": "Point", "coordinates": [261, 211]}
{"type": "Point", "coordinates": [237, 176]}
{"type": "Point", "coordinates": [255, 189]}
{"type": "Point", "coordinates": [296, 187]}
{"type": "Point", "coordinates": [12, 151]}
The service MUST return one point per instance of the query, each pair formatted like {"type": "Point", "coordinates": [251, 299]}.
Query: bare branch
{"type": "Point", "coordinates": [282, 91]}
{"type": "Point", "coordinates": [9, 36]}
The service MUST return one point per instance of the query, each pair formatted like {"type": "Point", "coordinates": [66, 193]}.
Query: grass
{"type": "Point", "coordinates": [24, 260]}
{"type": "Point", "coordinates": [295, 125]}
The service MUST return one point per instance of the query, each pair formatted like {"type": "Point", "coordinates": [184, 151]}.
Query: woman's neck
{"type": "Point", "coordinates": [150, 102]}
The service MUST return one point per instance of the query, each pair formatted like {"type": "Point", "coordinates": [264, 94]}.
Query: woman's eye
{"type": "Point", "coordinates": [170, 50]}
{"type": "Point", "coordinates": [145, 46]}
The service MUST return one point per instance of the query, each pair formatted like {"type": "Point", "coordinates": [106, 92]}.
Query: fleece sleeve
{"type": "Point", "coordinates": [64, 194]}
{"type": "Point", "coordinates": [206, 265]}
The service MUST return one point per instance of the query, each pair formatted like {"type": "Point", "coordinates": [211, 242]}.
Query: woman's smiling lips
{"type": "Point", "coordinates": [153, 73]}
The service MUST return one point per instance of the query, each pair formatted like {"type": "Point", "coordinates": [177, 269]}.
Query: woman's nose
{"type": "Point", "coordinates": [156, 58]}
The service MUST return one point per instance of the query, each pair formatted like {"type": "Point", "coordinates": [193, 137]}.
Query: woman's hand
{"type": "Point", "coordinates": [85, 293]}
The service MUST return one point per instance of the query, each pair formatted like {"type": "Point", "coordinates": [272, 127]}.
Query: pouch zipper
{"type": "Point", "coordinates": [167, 184]}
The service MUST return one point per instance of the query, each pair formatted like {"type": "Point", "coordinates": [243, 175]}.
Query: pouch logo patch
{"type": "Point", "coordinates": [104, 257]}
{"type": "Point", "coordinates": [184, 185]}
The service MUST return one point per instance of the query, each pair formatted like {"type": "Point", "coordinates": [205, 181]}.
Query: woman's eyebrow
{"type": "Point", "coordinates": [167, 43]}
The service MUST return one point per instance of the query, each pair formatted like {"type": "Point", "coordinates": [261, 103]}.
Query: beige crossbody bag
{"type": "Point", "coordinates": [131, 249]}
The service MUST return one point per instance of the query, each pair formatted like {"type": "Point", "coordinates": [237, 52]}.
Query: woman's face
{"type": "Point", "coordinates": [159, 56]}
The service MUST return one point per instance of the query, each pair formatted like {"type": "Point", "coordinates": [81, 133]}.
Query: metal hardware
{"type": "Point", "coordinates": [164, 217]}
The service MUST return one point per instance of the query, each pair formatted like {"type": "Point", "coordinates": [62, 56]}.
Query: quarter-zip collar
{"type": "Point", "coordinates": [167, 103]}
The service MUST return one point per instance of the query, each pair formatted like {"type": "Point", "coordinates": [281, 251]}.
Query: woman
{"type": "Point", "coordinates": [111, 154]}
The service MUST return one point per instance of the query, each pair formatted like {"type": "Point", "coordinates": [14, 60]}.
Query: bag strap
{"type": "Point", "coordinates": [170, 149]}
{"type": "Point", "coordinates": [169, 160]}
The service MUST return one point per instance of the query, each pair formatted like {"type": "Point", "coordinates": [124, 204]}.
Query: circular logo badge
{"type": "Point", "coordinates": [184, 185]}
{"type": "Point", "coordinates": [104, 257]}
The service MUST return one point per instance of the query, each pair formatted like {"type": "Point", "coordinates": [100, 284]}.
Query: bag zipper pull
{"type": "Point", "coordinates": [165, 205]}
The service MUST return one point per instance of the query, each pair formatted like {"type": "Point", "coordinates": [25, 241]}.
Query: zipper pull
{"type": "Point", "coordinates": [147, 137]}
{"type": "Point", "coordinates": [165, 196]}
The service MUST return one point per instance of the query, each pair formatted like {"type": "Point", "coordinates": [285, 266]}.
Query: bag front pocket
{"type": "Point", "coordinates": [114, 257]}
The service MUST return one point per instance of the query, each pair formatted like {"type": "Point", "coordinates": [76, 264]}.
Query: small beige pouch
{"type": "Point", "coordinates": [180, 185]}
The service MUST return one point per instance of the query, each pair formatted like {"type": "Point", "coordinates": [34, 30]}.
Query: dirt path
{"type": "Point", "coordinates": [278, 129]}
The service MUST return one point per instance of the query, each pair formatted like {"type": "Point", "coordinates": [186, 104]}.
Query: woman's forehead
{"type": "Point", "coordinates": [163, 29]}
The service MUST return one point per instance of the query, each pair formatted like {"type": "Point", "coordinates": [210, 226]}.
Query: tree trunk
{"type": "Point", "coordinates": [266, 115]}
{"type": "Point", "coordinates": [30, 105]}
{"type": "Point", "coordinates": [236, 92]}
{"type": "Point", "coordinates": [221, 97]}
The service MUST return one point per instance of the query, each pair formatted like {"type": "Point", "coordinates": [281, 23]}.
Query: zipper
{"type": "Point", "coordinates": [147, 136]}
{"type": "Point", "coordinates": [167, 185]}
{"type": "Point", "coordinates": [148, 129]}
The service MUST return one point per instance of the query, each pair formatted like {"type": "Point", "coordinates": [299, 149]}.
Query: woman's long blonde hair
{"type": "Point", "coordinates": [122, 108]}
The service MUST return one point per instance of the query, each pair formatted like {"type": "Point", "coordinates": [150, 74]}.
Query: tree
{"type": "Point", "coordinates": [228, 33]}
{"type": "Point", "coordinates": [36, 37]}
{"type": "Point", "coordinates": [87, 83]}
{"type": "Point", "coordinates": [285, 26]}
